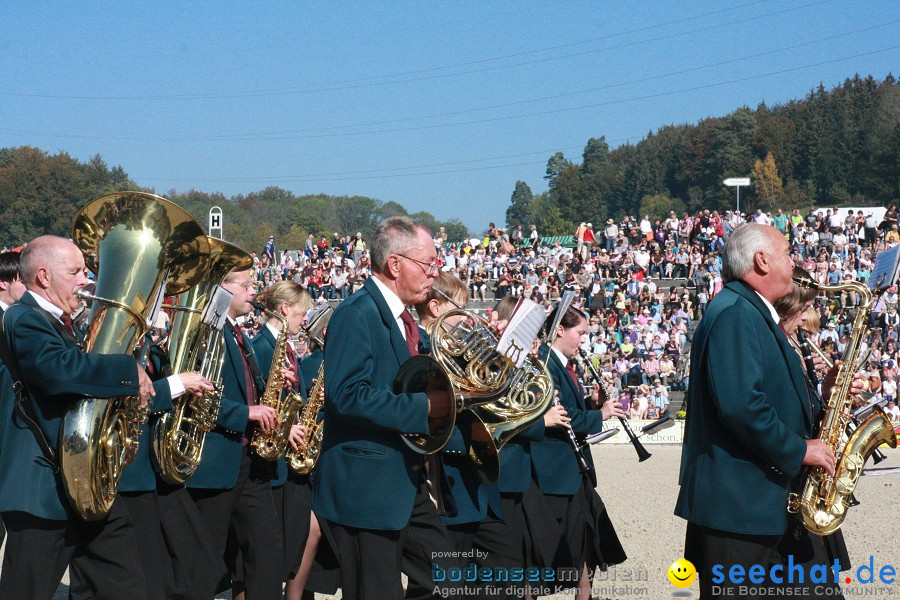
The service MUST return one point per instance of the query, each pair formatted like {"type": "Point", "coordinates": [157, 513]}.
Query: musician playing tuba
{"type": "Point", "coordinates": [231, 486]}
{"type": "Point", "coordinates": [44, 353]}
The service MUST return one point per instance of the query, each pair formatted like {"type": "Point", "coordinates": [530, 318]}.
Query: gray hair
{"type": "Point", "coordinates": [40, 253]}
{"type": "Point", "coordinates": [394, 235]}
{"type": "Point", "coordinates": [743, 244]}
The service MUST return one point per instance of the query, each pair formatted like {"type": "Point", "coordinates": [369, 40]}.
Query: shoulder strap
{"type": "Point", "coordinates": [24, 407]}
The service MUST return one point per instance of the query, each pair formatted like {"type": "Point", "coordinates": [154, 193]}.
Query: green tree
{"type": "Point", "coordinates": [545, 214]}
{"type": "Point", "coordinates": [658, 206]}
{"type": "Point", "coordinates": [517, 213]}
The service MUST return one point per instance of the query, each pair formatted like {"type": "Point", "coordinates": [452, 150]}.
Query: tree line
{"type": "Point", "coordinates": [41, 193]}
{"type": "Point", "coordinates": [832, 148]}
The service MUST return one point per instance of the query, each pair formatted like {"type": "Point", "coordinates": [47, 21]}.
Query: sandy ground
{"type": "Point", "coordinates": [640, 498]}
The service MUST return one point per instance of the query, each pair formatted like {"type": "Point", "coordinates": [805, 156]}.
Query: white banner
{"type": "Point", "coordinates": [672, 435]}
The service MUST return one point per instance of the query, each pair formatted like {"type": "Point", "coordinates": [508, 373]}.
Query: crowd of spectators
{"type": "Point", "coordinates": [644, 283]}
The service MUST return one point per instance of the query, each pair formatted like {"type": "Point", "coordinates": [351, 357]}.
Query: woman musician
{"type": "Point", "coordinates": [291, 492]}
{"type": "Point", "coordinates": [589, 537]}
{"type": "Point", "coordinates": [798, 319]}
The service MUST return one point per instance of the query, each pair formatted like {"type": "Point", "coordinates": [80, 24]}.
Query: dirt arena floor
{"type": "Point", "coordinates": [640, 498]}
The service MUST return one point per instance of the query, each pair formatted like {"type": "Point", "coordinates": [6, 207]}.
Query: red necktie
{"type": "Point", "coordinates": [292, 362]}
{"type": "Point", "coordinates": [571, 369]}
{"type": "Point", "coordinates": [248, 375]}
{"type": "Point", "coordinates": [412, 332]}
{"type": "Point", "coordinates": [66, 320]}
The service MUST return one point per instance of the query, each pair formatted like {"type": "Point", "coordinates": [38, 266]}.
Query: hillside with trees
{"type": "Point", "coordinates": [41, 193]}
{"type": "Point", "coordinates": [834, 147]}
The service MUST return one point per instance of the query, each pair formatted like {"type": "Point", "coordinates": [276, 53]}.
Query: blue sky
{"type": "Point", "coordinates": [438, 106]}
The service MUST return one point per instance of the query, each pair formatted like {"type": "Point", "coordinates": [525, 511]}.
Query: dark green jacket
{"type": "Point", "coordinates": [555, 465]}
{"type": "Point", "coordinates": [56, 373]}
{"type": "Point", "coordinates": [367, 476]}
{"type": "Point", "coordinates": [748, 415]}
{"type": "Point", "coordinates": [221, 458]}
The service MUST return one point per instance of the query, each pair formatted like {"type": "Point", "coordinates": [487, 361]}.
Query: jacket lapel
{"type": "Point", "coordinates": [397, 341]}
{"type": "Point", "coordinates": [790, 355]}
{"type": "Point", "coordinates": [234, 355]}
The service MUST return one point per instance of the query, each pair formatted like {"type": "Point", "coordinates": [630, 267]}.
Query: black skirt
{"type": "Point", "coordinates": [588, 534]}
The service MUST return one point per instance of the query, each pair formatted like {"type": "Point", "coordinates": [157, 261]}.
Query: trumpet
{"type": "Point", "coordinates": [638, 446]}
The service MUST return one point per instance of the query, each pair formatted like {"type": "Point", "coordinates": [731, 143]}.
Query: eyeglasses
{"type": "Point", "coordinates": [428, 267]}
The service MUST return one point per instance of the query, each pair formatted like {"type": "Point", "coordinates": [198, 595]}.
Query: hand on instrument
{"type": "Point", "coordinates": [819, 455]}
{"type": "Point", "coordinates": [145, 386]}
{"type": "Point", "coordinates": [297, 437]}
{"type": "Point", "coordinates": [612, 409]}
{"type": "Point", "coordinates": [439, 405]}
{"type": "Point", "coordinates": [856, 387]}
{"type": "Point", "coordinates": [195, 383]}
{"type": "Point", "coordinates": [595, 394]}
{"type": "Point", "coordinates": [290, 378]}
{"type": "Point", "coordinates": [556, 415]}
{"type": "Point", "coordinates": [264, 416]}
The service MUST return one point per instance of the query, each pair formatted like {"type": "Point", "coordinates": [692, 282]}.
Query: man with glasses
{"type": "Point", "coordinates": [371, 487]}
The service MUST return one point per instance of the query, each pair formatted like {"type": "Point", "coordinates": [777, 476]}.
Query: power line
{"type": "Point", "coordinates": [372, 81]}
{"type": "Point", "coordinates": [458, 123]}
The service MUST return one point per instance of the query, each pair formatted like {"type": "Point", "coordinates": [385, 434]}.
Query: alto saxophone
{"type": "Point", "coordinates": [302, 460]}
{"type": "Point", "coordinates": [271, 445]}
{"type": "Point", "coordinates": [824, 499]}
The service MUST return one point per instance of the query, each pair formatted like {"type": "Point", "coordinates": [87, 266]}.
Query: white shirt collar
{"type": "Point", "coordinates": [771, 308]}
{"type": "Point", "coordinates": [4, 305]}
{"type": "Point", "coordinates": [47, 305]}
{"type": "Point", "coordinates": [562, 357]}
{"type": "Point", "coordinates": [395, 304]}
{"type": "Point", "coordinates": [275, 333]}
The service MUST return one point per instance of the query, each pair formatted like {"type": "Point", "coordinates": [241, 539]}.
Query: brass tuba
{"type": "Point", "coordinates": [500, 398]}
{"type": "Point", "coordinates": [303, 460]}
{"type": "Point", "coordinates": [271, 445]}
{"type": "Point", "coordinates": [195, 345]}
{"type": "Point", "coordinates": [824, 499]}
{"type": "Point", "coordinates": [141, 247]}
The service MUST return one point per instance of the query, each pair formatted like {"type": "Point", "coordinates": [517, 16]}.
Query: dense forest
{"type": "Point", "coordinates": [834, 147]}
{"type": "Point", "coordinates": [41, 193]}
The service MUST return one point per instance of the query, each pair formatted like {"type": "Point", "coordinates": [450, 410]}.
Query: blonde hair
{"type": "Point", "coordinates": [284, 291]}
{"type": "Point", "coordinates": [451, 286]}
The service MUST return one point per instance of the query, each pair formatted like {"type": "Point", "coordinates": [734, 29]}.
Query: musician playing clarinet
{"type": "Point", "coordinates": [564, 474]}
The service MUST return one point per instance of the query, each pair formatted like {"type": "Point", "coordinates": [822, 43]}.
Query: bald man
{"type": "Point", "coordinates": [44, 535]}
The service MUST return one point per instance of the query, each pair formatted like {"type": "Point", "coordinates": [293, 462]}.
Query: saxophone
{"type": "Point", "coordinates": [141, 247]}
{"type": "Point", "coordinates": [195, 345]}
{"type": "Point", "coordinates": [824, 499]}
{"type": "Point", "coordinates": [303, 460]}
{"type": "Point", "coordinates": [271, 445]}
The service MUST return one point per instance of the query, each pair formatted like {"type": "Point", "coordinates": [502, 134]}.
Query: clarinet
{"type": "Point", "coordinates": [638, 446]}
{"type": "Point", "coordinates": [573, 441]}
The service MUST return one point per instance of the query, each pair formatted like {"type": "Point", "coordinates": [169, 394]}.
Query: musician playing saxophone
{"type": "Point", "coordinates": [45, 354]}
{"type": "Point", "coordinates": [795, 311]}
{"type": "Point", "coordinates": [300, 527]}
{"type": "Point", "coordinates": [750, 421]}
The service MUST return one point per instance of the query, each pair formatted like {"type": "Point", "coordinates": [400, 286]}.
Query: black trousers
{"type": "Point", "coordinates": [247, 512]}
{"type": "Point", "coordinates": [706, 547]}
{"type": "Point", "coordinates": [102, 557]}
{"type": "Point", "coordinates": [371, 560]}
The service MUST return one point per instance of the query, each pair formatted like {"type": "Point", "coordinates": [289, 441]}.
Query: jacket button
{"type": "Point", "coordinates": [416, 467]}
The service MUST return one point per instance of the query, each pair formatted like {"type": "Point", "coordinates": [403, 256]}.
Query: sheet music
{"type": "Point", "coordinates": [885, 271]}
{"type": "Point", "coordinates": [523, 329]}
{"type": "Point", "coordinates": [158, 301]}
{"type": "Point", "coordinates": [216, 309]}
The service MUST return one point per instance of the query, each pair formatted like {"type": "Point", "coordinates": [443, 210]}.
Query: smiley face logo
{"type": "Point", "coordinates": [682, 573]}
